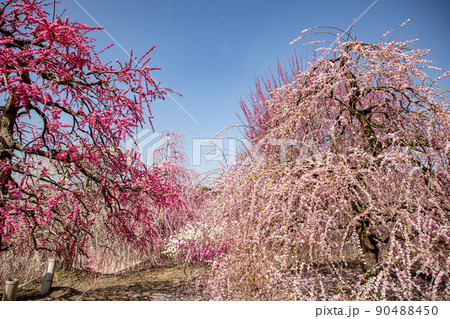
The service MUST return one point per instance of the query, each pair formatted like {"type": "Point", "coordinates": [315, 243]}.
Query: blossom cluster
{"type": "Point", "coordinates": [193, 245]}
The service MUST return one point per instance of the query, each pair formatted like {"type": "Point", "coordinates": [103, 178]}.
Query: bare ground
{"type": "Point", "coordinates": [162, 283]}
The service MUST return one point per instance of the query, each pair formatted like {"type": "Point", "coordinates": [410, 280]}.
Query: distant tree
{"type": "Point", "coordinates": [364, 181]}
{"type": "Point", "coordinates": [62, 169]}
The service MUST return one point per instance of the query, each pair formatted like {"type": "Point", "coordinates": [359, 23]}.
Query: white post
{"type": "Point", "coordinates": [48, 276]}
{"type": "Point", "coordinates": [10, 292]}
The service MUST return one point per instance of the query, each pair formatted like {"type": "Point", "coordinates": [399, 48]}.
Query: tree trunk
{"type": "Point", "coordinates": [369, 246]}
{"type": "Point", "coordinates": [7, 121]}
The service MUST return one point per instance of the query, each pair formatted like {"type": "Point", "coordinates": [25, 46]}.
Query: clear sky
{"type": "Point", "coordinates": [210, 51]}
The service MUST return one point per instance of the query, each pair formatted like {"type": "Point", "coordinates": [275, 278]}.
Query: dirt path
{"type": "Point", "coordinates": [164, 283]}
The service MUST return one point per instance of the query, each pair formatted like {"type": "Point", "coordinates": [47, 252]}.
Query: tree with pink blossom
{"type": "Point", "coordinates": [344, 192]}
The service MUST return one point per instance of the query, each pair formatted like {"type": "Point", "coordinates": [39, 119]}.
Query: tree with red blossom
{"type": "Point", "coordinates": [62, 169]}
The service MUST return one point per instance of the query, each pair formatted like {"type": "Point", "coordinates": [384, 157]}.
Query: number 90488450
{"type": "Point", "coordinates": [406, 310]}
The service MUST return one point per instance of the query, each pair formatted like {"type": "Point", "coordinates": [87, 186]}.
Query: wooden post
{"type": "Point", "coordinates": [10, 292]}
{"type": "Point", "coordinates": [48, 276]}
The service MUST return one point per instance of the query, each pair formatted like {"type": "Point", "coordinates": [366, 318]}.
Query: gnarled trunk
{"type": "Point", "coordinates": [7, 121]}
{"type": "Point", "coordinates": [369, 245]}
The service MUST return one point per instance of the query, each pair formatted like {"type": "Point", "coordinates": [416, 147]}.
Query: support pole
{"type": "Point", "coordinates": [10, 292]}
{"type": "Point", "coordinates": [48, 276]}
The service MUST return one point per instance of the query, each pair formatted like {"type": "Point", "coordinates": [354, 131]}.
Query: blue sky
{"type": "Point", "coordinates": [211, 51]}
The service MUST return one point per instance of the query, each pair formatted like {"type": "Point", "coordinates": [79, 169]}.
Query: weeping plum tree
{"type": "Point", "coordinates": [346, 191]}
{"type": "Point", "coordinates": [62, 170]}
